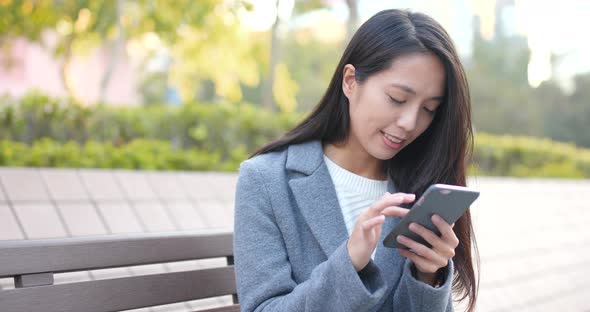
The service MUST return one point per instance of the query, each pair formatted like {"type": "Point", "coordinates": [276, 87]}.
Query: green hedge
{"type": "Point", "coordinates": [138, 154]}
{"type": "Point", "coordinates": [218, 127]}
{"type": "Point", "coordinates": [493, 155]}
{"type": "Point", "coordinates": [40, 131]}
{"type": "Point", "coordinates": [528, 157]}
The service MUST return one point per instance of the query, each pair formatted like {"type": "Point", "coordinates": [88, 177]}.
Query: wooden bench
{"type": "Point", "coordinates": [33, 263]}
{"type": "Point", "coordinates": [106, 240]}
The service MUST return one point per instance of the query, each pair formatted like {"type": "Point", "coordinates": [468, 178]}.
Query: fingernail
{"type": "Point", "coordinates": [412, 226]}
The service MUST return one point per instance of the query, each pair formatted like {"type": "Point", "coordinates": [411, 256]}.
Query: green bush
{"type": "Point", "coordinates": [528, 157]}
{"type": "Point", "coordinates": [493, 155]}
{"type": "Point", "coordinates": [41, 131]}
{"type": "Point", "coordinates": [219, 127]}
{"type": "Point", "coordinates": [138, 154]}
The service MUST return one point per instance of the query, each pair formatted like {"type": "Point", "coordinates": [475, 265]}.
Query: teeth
{"type": "Point", "coordinates": [392, 139]}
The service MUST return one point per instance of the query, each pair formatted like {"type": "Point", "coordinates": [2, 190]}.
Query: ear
{"type": "Point", "coordinates": [348, 80]}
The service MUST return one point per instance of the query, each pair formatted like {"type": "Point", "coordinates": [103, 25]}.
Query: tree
{"type": "Point", "coordinates": [311, 63]}
{"type": "Point", "coordinates": [78, 24]}
{"type": "Point", "coordinates": [220, 53]}
{"type": "Point", "coordinates": [498, 78]}
{"type": "Point", "coordinates": [116, 50]}
{"type": "Point", "coordinates": [552, 109]}
{"type": "Point", "coordinates": [579, 102]}
{"type": "Point", "coordinates": [190, 29]}
{"type": "Point", "coordinates": [284, 13]}
{"type": "Point", "coordinates": [353, 19]}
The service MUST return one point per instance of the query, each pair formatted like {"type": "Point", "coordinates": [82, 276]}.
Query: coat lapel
{"type": "Point", "coordinates": [315, 195]}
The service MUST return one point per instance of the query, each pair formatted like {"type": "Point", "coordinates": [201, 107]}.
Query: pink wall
{"type": "Point", "coordinates": [35, 68]}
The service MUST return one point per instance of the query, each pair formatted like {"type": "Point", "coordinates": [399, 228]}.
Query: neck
{"type": "Point", "coordinates": [353, 158]}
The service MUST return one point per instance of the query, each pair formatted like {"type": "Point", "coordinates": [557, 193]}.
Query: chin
{"type": "Point", "coordinates": [384, 155]}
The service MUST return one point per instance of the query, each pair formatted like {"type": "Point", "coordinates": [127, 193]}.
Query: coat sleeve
{"type": "Point", "coordinates": [263, 272]}
{"type": "Point", "coordinates": [413, 295]}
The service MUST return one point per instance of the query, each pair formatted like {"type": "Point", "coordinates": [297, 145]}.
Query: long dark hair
{"type": "Point", "coordinates": [440, 154]}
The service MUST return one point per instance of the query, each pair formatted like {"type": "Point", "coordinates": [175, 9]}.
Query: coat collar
{"type": "Point", "coordinates": [305, 157]}
{"type": "Point", "coordinates": [315, 194]}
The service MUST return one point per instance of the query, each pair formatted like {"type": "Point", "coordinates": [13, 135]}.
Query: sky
{"type": "Point", "coordinates": [557, 27]}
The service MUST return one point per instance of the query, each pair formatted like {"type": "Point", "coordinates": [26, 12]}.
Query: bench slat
{"type": "Point", "coordinates": [20, 257]}
{"type": "Point", "coordinates": [122, 293]}
{"type": "Point", "coordinates": [231, 308]}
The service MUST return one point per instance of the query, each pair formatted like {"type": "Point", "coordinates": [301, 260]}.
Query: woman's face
{"type": "Point", "coordinates": [392, 108]}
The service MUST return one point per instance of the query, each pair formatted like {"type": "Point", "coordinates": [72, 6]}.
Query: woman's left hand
{"type": "Point", "coordinates": [429, 260]}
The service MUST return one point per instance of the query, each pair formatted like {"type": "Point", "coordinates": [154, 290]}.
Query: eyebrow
{"type": "Point", "coordinates": [411, 91]}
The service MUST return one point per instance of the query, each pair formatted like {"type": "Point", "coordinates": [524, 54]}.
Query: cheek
{"type": "Point", "coordinates": [357, 120]}
{"type": "Point", "coordinates": [370, 113]}
{"type": "Point", "coordinates": [362, 112]}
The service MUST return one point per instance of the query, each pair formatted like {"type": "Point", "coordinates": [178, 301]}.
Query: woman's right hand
{"type": "Point", "coordinates": [367, 230]}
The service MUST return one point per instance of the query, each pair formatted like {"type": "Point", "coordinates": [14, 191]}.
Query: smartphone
{"type": "Point", "coordinates": [447, 201]}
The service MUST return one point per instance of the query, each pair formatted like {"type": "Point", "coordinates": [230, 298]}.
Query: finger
{"type": "Point", "coordinates": [421, 263]}
{"type": "Point", "coordinates": [394, 211]}
{"type": "Point", "coordinates": [440, 246]}
{"type": "Point", "coordinates": [406, 197]}
{"type": "Point", "coordinates": [422, 250]}
{"type": "Point", "coordinates": [388, 200]}
{"type": "Point", "coordinates": [369, 224]}
{"type": "Point", "coordinates": [427, 234]}
{"type": "Point", "coordinates": [446, 230]}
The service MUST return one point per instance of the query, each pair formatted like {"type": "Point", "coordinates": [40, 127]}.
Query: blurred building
{"type": "Point", "coordinates": [30, 66]}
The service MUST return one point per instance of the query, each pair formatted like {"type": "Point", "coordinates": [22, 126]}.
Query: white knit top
{"type": "Point", "coordinates": [355, 193]}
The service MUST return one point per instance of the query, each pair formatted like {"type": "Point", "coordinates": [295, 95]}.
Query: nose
{"type": "Point", "coordinates": [408, 119]}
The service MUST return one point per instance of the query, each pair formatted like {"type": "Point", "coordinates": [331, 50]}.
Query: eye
{"type": "Point", "coordinates": [396, 101]}
{"type": "Point", "coordinates": [429, 111]}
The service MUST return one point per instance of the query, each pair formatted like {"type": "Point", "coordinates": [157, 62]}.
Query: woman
{"type": "Point", "coordinates": [311, 207]}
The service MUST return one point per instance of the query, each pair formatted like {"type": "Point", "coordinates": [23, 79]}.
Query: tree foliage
{"type": "Point", "coordinates": [203, 37]}
{"type": "Point", "coordinates": [215, 59]}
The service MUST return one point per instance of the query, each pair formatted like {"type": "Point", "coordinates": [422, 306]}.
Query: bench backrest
{"type": "Point", "coordinates": [33, 263]}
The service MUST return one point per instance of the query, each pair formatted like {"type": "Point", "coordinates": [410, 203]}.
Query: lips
{"type": "Point", "coordinates": [393, 138]}
{"type": "Point", "coordinates": [392, 142]}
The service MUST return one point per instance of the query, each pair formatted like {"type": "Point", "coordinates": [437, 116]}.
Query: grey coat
{"type": "Point", "coordinates": [290, 245]}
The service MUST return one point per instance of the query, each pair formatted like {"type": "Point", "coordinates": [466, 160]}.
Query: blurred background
{"type": "Point", "coordinates": [156, 89]}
